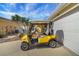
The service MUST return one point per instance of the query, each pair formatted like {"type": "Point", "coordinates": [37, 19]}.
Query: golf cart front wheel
{"type": "Point", "coordinates": [24, 46]}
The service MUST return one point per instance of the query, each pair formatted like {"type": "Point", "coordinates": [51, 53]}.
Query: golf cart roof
{"type": "Point", "coordinates": [40, 21]}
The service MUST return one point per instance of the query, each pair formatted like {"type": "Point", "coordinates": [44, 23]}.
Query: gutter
{"type": "Point", "coordinates": [65, 12]}
{"type": "Point", "coordinates": [56, 11]}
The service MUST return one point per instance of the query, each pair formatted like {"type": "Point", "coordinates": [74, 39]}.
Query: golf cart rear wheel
{"type": "Point", "coordinates": [52, 44]}
{"type": "Point", "coordinates": [24, 46]}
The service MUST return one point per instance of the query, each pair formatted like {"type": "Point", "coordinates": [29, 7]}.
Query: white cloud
{"type": "Point", "coordinates": [33, 13]}
{"type": "Point", "coordinates": [7, 7]}
{"type": "Point", "coordinates": [27, 11]}
{"type": "Point", "coordinates": [39, 13]}
{"type": "Point", "coordinates": [12, 4]}
{"type": "Point", "coordinates": [7, 13]}
{"type": "Point", "coordinates": [22, 8]}
{"type": "Point", "coordinates": [4, 7]}
{"type": "Point", "coordinates": [30, 6]}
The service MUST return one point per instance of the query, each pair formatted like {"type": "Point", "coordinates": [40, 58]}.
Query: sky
{"type": "Point", "coordinates": [34, 11]}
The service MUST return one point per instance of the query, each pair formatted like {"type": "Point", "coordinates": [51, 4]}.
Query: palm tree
{"type": "Point", "coordinates": [16, 18]}
{"type": "Point", "coordinates": [25, 20]}
{"type": "Point", "coordinates": [13, 18]}
{"type": "Point", "coordinates": [20, 19]}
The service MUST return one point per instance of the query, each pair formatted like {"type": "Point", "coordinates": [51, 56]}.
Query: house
{"type": "Point", "coordinates": [66, 25]}
{"type": "Point", "coordinates": [8, 26]}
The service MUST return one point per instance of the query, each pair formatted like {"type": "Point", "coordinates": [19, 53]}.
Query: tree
{"type": "Point", "coordinates": [25, 20]}
{"type": "Point", "coordinates": [20, 19]}
{"type": "Point", "coordinates": [13, 18]}
{"type": "Point", "coordinates": [16, 18]}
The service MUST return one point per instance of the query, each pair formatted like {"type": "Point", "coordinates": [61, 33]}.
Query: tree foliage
{"type": "Point", "coordinates": [18, 18]}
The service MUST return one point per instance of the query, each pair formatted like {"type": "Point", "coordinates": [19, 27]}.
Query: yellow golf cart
{"type": "Point", "coordinates": [27, 42]}
{"type": "Point", "coordinates": [35, 38]}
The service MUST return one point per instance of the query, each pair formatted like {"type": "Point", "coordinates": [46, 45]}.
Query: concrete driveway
{"type": "Point", "coordinates": [13, 49]}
